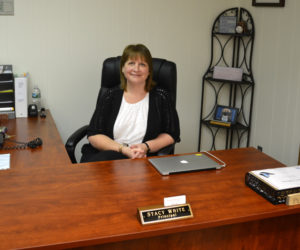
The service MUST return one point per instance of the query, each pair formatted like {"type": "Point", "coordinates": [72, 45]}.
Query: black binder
{"type": "Point", "coordinates": [275, 196]}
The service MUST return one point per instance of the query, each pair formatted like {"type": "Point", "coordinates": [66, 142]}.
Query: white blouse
{"type": "Point", "coordinates": [131, 123]}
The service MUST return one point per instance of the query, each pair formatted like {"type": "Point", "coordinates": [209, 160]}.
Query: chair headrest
{"type": "Point", "coordinates": [164, 74]}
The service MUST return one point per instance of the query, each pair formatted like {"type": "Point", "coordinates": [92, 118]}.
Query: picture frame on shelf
{"type": "Point", "coordinates": [227, 24]}
{"type": "Point", "coordinates": [225, 116]}
{"type": "Point", "coordinates": [268, 3]}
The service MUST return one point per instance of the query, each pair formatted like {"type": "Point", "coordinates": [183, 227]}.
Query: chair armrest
{"type": "Point", "coordinates": [73, 140]}
{"type": "Point", "coordinates": [168, 150]}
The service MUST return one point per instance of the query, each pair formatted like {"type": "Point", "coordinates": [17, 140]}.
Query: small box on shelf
{"type": "Point", "coordinates": [228, 73]}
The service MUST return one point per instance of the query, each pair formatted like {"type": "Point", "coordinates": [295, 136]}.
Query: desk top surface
{"type": "Point", "coordinates": [27, 129]}
{"type": "Point", "coordinates": [95, 203]}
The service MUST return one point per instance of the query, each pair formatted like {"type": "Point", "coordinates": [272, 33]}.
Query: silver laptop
{"type": "Point", "coordinates": [185, 163]}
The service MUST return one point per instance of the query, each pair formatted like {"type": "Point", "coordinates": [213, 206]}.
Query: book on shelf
{"type": "Point", "coordinates": [216, 122]}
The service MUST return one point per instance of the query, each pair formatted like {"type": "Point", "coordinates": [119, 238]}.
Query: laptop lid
{"type": "Point", "coordinates": [185, 163]}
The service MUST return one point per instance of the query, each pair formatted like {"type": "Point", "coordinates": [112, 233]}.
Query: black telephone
{"type": "Point", "coordinates": [22, 145]}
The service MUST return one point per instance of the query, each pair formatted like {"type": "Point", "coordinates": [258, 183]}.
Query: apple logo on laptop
{"type": "Point", "coordinates": [184, 161]}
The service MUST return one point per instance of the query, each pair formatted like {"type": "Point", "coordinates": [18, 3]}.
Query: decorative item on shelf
{"type": "Point", "coordinates": [227, 24]}
{"type": "Point", "coordinates": [228, 73]}
{"type": "Point", "coordinates": [241, 27]}
{"type": "Point", "coordinates": [268, 3]}
{"type": "Point", "coordinates": [225, 116]}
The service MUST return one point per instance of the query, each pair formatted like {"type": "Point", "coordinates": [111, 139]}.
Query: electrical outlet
{"type": "Point", "coordinates": [260, 148]}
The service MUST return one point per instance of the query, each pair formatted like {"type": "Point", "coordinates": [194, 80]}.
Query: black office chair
{"type": "Point", "coordinates": [165, 76]}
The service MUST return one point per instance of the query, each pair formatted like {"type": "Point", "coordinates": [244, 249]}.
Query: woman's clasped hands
{"type": "Point", "coordinates": [135, 151]}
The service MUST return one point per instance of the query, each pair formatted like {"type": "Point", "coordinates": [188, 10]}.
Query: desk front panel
{"type": "Point", "coordinates": [96, 203]}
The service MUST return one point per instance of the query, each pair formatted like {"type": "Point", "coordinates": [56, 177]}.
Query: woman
{"type": "Point", "coordinates": [134, 120]}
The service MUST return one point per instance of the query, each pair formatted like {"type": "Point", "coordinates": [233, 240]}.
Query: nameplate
{"type": "Point", "coordinates": [157, 214]}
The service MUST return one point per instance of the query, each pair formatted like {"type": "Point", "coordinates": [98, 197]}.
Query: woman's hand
{"type": "Point", "coordinates": [139, 150]}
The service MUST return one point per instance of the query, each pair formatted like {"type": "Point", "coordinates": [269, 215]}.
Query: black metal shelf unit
{"type": "Point", "coordinates": [232, 50]}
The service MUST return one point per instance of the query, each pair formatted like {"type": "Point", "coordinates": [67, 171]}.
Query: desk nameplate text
{"type": "Point", "coordinates": [157, 214]}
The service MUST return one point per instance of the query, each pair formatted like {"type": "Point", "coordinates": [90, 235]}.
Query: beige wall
{"type": "Point", "coordinates": [276, 68]}
{"type": "Point", "coordinates": [62, 44]}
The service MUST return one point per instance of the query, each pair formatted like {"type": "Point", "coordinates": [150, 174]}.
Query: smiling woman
{"type": "Point", "coordinates": [136, 71]}
{"type": "Point", "coordinates": [140, 55]}
{"type": "Point", "coordinates": [135, 119]}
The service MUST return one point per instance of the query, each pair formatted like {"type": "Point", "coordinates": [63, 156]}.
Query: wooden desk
{"type": "Point", "coordinates": [90, 204]}
{"type": "Point", "coordinates": [27, 129]}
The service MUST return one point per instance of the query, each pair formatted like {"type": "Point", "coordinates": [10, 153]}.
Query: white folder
{"type": "Point", "coordinates": [21, 96]}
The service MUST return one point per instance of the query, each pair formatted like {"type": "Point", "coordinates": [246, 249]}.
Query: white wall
{"type": "Point", "coordinates": [62, 44]}
{"type": "Point", "coordinates": [276, 68]}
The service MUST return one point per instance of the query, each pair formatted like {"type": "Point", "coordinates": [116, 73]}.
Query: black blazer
{"type": "Point", "coordinates": [162, 116]}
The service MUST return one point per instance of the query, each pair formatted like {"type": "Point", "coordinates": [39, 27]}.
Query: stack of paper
{"type": "Point", "coordinates": [4, 161]}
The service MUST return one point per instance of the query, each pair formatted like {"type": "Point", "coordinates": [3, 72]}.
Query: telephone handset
{"type": "Point", "coordinates": [37, 142]}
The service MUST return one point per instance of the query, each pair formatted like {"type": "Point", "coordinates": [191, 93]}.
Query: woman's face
{"type": "Point", "coordinates": [136, 71]}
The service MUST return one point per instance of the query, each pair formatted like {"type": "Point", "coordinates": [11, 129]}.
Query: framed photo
{"type": "Point", "coordinates": [270, 3]}
{"type": "Point", "coordinates": [226, 114]}
{"type": "Point", "coordinates": [227, 24]}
